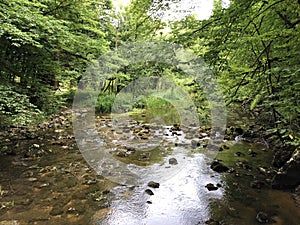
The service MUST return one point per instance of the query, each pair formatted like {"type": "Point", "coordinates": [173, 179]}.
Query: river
{"type": "Point", "coordinates": [60, 187]}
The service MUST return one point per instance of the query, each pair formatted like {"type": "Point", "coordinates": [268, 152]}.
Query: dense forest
{"type": "Point", "coordinates": [252, 47]}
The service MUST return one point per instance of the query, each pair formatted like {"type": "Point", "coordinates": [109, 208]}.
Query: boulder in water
{"type": "Point", "coordinates": [173, 161]}
{"type": "Point", "coordinates": [153, 184]}
{"type": "Point", "coordinates": [149, 192]}
{"type": "Point", "coordinates": [211, 187]}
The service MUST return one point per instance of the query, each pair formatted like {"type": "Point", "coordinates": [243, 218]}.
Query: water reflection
{"type": "Point", "coordinates": [180, 200]}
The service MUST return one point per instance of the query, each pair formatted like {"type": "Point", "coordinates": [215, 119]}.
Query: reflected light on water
{"type": "Point", "coordinates": [181, 200]}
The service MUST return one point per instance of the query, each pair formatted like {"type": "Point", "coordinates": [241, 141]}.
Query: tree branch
{"type": "Point", "coordinates": [206, 25]}
{"type": "Point", "coordinates": [287, 21]}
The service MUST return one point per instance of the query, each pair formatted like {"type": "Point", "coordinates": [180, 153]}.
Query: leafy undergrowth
{"type": "Point", "coordinates": [16, 109]}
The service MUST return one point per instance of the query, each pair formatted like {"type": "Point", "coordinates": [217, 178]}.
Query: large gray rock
{"type": "Point", "coordinates": [288, 176]}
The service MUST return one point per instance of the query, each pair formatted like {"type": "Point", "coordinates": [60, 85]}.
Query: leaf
{"type": "Point", "coordinates": [255, 101]}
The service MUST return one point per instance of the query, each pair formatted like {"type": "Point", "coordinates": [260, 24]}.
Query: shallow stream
{"type": "Point", "coordinates": [60, 187]}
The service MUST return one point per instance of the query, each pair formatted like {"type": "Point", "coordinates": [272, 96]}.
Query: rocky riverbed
{"type": "Point", "coordinates": [44, 178]}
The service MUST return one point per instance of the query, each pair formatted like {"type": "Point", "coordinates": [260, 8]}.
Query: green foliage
{"type": "Point", "coordinates": [255, 101]}
{"type": "Point", "coordinates": [153, 102]}
{"type": "Point", "coordinates": [45, 99]}
{"type": "Point", "coordinates": [139, 21]}
{"type": "Point", "coordinates": [253, 47]}
{"type": "Point", "coordinates": [287, 135]}
{"type": "Point", "coordinates": [47, 44]}
{"type": "Point", "coordinates": [104, 103]}
{"type": "Point", "coordinates": [16, 109]}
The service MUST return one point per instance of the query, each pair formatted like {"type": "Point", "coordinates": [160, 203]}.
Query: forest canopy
{"type": "Point", "coordinates": [251, 46]}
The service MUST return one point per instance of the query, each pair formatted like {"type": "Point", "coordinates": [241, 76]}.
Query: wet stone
{"type": "Point", "coordinates": [173, 161]}
{"type": "Point", "coordinates": [153, 184]}
{"type": "Point", "coordinates": [32, 179]}
{"type": "Point", "coordinates": [149, 192]}
{"type": "Point", "coordinates": [44, 185]}
{"type": "Point", "coordinates": [211, 187]}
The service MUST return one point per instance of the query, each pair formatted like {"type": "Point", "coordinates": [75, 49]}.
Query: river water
{"type": "Point", "coordinates": [62, 187]}
{"type": "Point", "coordinates": [180, 200]}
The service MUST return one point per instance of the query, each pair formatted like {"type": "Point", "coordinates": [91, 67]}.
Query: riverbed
{"type": "Point", "coordinates": [59, 185]}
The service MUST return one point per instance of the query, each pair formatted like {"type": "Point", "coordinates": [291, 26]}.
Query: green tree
{"type": "Point", "coordinates": [254, 47]}
{"type": "Point", "coordinates": [47, 42]}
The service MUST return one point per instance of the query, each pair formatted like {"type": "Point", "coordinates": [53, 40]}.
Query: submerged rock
{"type": "Point", "coordinates": [219, 167]}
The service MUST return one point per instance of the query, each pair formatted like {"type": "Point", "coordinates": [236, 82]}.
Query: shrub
{"type": "Point", "coordinates": [16, 109]}
{"type": "Point", "coordinates": [104, 103]}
